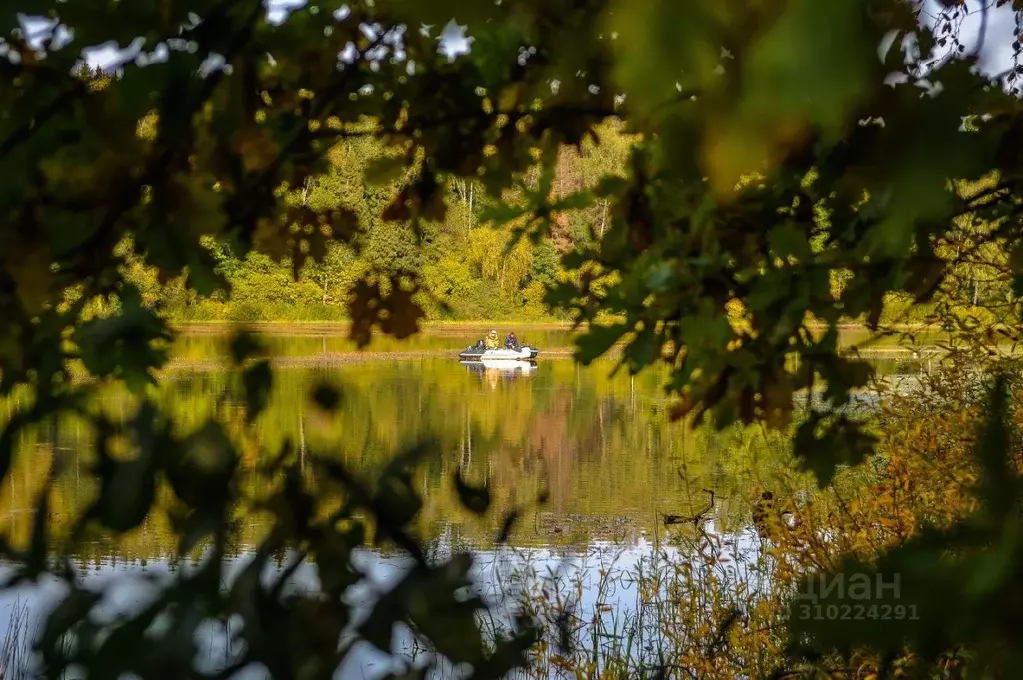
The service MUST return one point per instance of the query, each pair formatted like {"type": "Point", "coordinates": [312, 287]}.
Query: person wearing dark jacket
{"type": "Point", "coordinates": [511, 342]}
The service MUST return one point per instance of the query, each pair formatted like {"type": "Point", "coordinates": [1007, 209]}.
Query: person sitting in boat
{"type": "Point", "coordinates": [511, 342]}
{"type": "Point", "coordinates": [491, 340]}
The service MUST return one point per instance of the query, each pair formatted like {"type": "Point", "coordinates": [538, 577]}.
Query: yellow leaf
{"type": "Point", "coordinates": [148, 126]}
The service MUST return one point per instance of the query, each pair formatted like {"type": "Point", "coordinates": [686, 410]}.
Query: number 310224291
{"type": "Point", "coordinates": [858, 612]}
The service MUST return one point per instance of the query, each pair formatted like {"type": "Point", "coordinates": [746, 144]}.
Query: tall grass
{"type": "Point", "coordinates": [700, 604]}
{"type": "Point", "coordinates": [17, 644]}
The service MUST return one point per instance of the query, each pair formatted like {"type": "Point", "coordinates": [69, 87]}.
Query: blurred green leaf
{"type": "Point", "coordinates": [610, 186]}
{"type": "Point", "coordinates": [327, 397]}
{"type": "Point", "coordinates": [203, 467]}
{"type": "Point", "coordinates": [787, 241]}
{"type": "Point", "coordinates": [384, 170]}
{"type": "Point", "coordinates": [398, 503]}
{"type": "Point", "coordinates": [430, 595]}
{"type": "Point", "coordinates": [597, 341]}
{"type": "Point", "coordinates": [62, 620]}
{"type": "Point", "coordinates": [661, 44]}
{"type": "Point", "coordinates": [125, 345]}
{"type": "Point", "coordinates": [822, 444]}
{"type": "Point", "coordinates": [643, 350]}
{"type": "Point", "coordinates": [258, 381]}
{"type": "Point", "coordinates": [476, 499]}
{"type": "Point", "coordinates": [127, 488]}
{"type": "Point", "coordinates": [501, 213]}
{"type": "Point", "coordinates": [403, 313]}
{"type": "Point", "coordinates": [7, 444]}
{"type": "Point", "coordinates": [660, 279]}
{"type": "Point", "coordinates": [244, 345]}
{"type": "Point", "coordinates": [40, 547]}
{"type": "Point", "coordinates": [813, 63]}
{"type": "Point", "coordinates": [999, 483]}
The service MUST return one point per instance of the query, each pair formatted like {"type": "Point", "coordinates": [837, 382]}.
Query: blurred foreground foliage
{"type": "Point", "coordinates": [775, 154]}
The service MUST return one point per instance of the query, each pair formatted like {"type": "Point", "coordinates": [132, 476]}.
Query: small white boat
{"type": "Point", "coordinates": [522, 353]}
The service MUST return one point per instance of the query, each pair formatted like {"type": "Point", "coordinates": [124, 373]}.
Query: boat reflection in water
{"type": "Point", "coordinates": [492, 371]}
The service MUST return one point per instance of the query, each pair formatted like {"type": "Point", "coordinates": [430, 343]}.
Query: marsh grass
{"type": "Point", "coordinates": [16, 648]}
{"type": "Point", "coordinates": [677, 627]}
{"type": "Point", "coordinates": [695, 604]}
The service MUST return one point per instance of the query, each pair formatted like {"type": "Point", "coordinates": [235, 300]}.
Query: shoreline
{"type": "Point", "coordinates": [338, 328]}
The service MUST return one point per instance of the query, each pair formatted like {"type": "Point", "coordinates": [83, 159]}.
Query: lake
{"type": "Point", "coordinates": [599, 446]}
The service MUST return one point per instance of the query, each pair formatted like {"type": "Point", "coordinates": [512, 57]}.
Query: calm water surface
{"type": "Point", "coordinates": [600, 446]}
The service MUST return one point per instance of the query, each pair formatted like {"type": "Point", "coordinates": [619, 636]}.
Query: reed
{"type": "Point", "coordinates": [17, 643]}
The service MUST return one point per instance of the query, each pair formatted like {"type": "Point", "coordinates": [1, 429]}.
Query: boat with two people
{"type": "Point", "coordinates": [489, 350]}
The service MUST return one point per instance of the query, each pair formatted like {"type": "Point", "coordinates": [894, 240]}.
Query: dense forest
{"type": "Point", "coordinates": [465, 268]}
{"type": "Point", "coordinates": [464, 265]}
